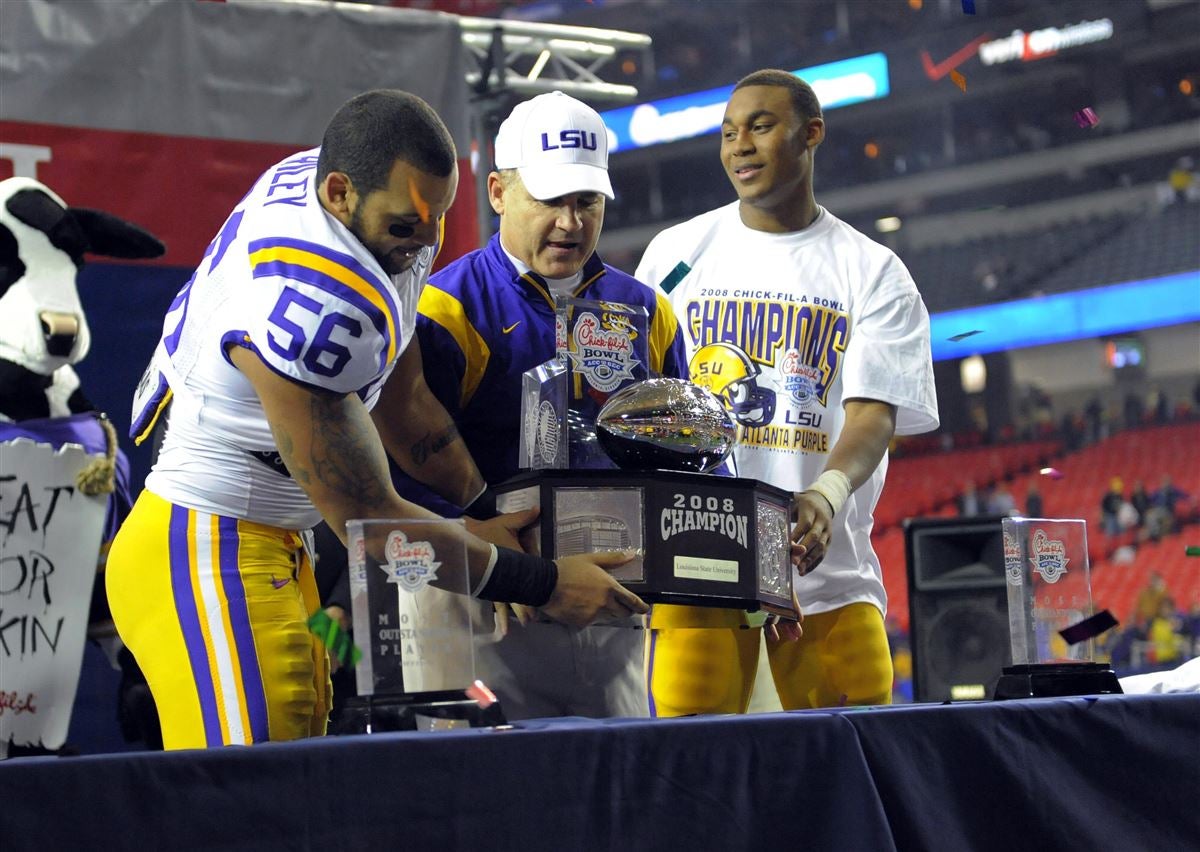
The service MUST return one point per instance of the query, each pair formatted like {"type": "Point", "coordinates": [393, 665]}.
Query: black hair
{"type": "Point", "coordinates": [804, 99]}
{"type": "Point", "coordinates": [371, 131]}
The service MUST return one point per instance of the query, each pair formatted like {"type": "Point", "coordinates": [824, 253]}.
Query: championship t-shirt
{"type": "Point", "coordinates": [786, 328]}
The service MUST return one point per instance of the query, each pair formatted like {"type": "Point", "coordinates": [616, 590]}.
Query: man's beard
{"type": "Point", "coordinates": [391, 263]}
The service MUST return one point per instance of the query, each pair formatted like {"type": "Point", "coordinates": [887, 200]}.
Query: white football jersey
{"type": "Point", "coordinates": [287, 280]}
{"type": "Point", "coordinates": [785, 328]}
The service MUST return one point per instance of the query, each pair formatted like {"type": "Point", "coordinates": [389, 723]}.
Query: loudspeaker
{"type": "Point", "coordinates": [958, 607]}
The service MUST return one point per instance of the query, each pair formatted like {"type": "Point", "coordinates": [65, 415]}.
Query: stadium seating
{"type": "Point", "coordinates": [928, 485]}
{"type": "Point", "coordinates": [1145, 454]}
{"type": "Point", "coordinates": [1144, 247]}
{"type": "Point", "coordinates": [889, 547]}
{"type": "Point", "coordinates": [1116, 584]}
{"type": "Point", "coordinates": [1073, 255]}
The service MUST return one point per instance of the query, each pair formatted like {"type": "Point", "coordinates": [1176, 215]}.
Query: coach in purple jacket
{"type": "Point", "coordinates": [486, 319]}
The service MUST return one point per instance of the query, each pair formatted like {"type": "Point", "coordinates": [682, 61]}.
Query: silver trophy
{"type": "Point", "coordinates": [666, 424]}
{"type": "Point", "coordinates": [704, 540]}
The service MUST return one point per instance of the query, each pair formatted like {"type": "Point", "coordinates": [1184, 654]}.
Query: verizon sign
{"type": "Point", "coordinates": [1042, 43]}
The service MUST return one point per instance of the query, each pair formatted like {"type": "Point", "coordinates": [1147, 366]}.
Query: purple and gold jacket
{"type": "Point", "coordinates": [481, 325]}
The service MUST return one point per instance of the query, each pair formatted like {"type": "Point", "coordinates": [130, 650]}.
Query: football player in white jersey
{"type": "Point", "coordinates": [817, 339]}
{"type": "Point", "coordinates": [286, 363]}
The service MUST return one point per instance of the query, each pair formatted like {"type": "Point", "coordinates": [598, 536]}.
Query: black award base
{"type": "Point", "coordinates": [701, 540]}
{"type": "Point", "coordinates": [430, 711]}
{"type": "Point", "coordinates": [1047, 680]}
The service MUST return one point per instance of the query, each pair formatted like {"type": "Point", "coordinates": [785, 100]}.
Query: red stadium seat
{"type": "Point", "coordinates": [930, 484]}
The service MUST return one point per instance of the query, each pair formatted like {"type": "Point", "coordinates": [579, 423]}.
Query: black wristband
{"type": "Point", "coordinates": [483, 507]}
{"type": "Point", "coordinates": [520, 578]}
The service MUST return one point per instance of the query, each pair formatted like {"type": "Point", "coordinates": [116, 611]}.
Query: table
{"type": "Point", "coordinates": [1106, 772]}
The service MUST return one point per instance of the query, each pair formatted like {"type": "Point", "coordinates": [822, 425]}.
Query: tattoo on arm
{"type": "Point", "coordinates": [343, 455]}
{"type": "Point", "coordinates": [351, 456]}
{"type": "Point", "coordinates": [433, 443]}
{"type": "Point", "coordinates": [287, 449]}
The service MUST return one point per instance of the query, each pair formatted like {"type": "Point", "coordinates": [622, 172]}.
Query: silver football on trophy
{"type": "Point", "coordinates": [666, 424]}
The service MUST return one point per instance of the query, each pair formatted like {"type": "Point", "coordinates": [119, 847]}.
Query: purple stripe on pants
{"type": "Point", "coordinates": [189, 622]}
{"type": "Point", "coordinates": [650, 674]}
{"type": "Point", "coordinates": [243, 636]}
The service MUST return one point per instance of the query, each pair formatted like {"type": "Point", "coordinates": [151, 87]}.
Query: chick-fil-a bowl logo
{"type": "Point", "coordinates": [410, 564]}
{"type": "Point", "coordinates": [1049, 557]}
{"type": "Point", "coordinates": [605, 358]}
{"type": "Point", "coordinates": [1012, 560]}
{"type": "Point", "coordinates": [800, 380]}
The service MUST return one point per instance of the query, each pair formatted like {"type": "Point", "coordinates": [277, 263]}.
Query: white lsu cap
{"type": "Point", "coordinates": [557, 144]}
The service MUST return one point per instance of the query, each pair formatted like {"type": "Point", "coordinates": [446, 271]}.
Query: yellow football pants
{"type": "Point", "coordinates": [215, 611]}
{"type": "Point", "coordinates": [842, 659]}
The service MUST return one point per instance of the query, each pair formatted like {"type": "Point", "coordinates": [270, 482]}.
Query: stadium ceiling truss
{"type": "Point", "coordinates": [528, 58]}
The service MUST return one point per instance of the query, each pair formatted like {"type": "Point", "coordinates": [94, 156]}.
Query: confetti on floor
{"type": "Point", "coordinates": [1086, 117]}
{"type": "Point", "coordinates": [965, 335]}
{"type": "Point", "coordinates": [1052, 472]}
{"type": "Point", "coordinates": [968, 7]}
{"type": "Point", "coordinates": [1192, 550]}
{"type": "Point", "coordinates": [959, 80]}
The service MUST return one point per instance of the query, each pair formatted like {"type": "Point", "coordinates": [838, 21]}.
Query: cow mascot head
{"type": "Point", "coordinates": [42, 327]}
{"type": "Point", "coordinates": [42, 333]}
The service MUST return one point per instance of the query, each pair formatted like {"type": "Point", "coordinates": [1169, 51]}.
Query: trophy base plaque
{"type": "Point", "coordinates": [430, 712]}
{"type": "Point", "coordinates": [702, 540]}
{"type": "Point", "coordinates": [1056, 680]}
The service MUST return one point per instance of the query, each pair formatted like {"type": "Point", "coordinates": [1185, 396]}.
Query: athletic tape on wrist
{"type": "Point", "coordinates": [487, 572]}
{"type": "Point", "coordinates": [520, 578]}
{"type": "Point", "coordinates": [834, 486]}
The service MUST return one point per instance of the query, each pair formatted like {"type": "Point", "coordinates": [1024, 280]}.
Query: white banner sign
{"type": "Point", "coordinates": [49, 543]}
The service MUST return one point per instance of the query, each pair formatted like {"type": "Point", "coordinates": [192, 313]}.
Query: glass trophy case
{"type": "Point", "coordinates": [409, 596]}
{"type": "Point", "coordinates": [601, 348]}
{"type": "Point", "coordinates": [1049, 594]}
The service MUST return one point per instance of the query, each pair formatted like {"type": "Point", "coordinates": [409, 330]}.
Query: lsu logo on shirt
{"type": "Point", "coordinates": [813, 337]}
{"type": "Point", "coordinates": [730, 374]}
{"type": "Point", "coordinates": [804, 343]}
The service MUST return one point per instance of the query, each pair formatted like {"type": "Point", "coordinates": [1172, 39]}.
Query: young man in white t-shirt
{"type": "Point", "coordinates": [818, 341]}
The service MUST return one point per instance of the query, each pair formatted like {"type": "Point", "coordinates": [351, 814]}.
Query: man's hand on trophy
{"type": "Point", "coordinates": [504, 530]}
{"type": "Point", "coordinates": [515, 530]}
{"type": "Point", "coordinates": [528, 537]}
{"type": "Point", "coordinates": [784, 629]}
{"type": "Point", "coordinates": [814, 527]}
{"type": "Point", "coordinates": [524, 615]}
{"type": "Point", "coordinates": [586, 591]}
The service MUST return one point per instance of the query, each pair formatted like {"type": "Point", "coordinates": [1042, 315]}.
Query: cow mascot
{"type": "Point", "coordinates": [44, 415]}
